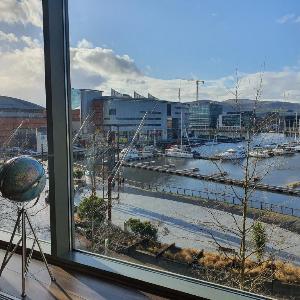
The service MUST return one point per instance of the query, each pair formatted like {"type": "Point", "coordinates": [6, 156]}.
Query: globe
{"type": "Point", "coordinates": [22, 179]}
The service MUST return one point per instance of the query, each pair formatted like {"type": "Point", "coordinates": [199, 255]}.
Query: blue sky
{"type": "Point", "coordinates": [146, 46]}
{"type": "Point", "coordinates": [205, 39]}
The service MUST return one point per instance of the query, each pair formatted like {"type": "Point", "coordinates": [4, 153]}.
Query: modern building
{"type": "Point", "coordinates": [230, 121]}
{"type": "Point", "coordinates": [125, 113]}
{"type": "Point", "coordinates": [84, 98]}
{"type": "Point", "coordinates": [203, 114]}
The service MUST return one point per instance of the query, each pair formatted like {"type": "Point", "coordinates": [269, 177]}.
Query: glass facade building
{"type": "Point", "coordinates": [203, 115]}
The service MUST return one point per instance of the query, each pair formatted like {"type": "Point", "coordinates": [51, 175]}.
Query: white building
{"type": "Point", "coordinates": [124, 113]}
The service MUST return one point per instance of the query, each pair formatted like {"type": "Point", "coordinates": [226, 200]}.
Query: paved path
{"type": "Point", "coordinates": [190, 225]}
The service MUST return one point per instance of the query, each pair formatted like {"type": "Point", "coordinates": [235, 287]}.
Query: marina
{"type": "Point", "coordinates": [218, 177]}
{"type": "Point", "coordinates": [275, 183]}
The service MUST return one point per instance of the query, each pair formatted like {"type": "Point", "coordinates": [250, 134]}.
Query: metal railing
{"type": "Point", "coordinates": [224, 197]}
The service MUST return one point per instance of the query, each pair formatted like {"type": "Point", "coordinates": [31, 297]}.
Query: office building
{"type": "Point", "coordinates": [203, 115]}
{"type": "Point", "coordinates": [125, 113]}
{"type": "Point", "coordinates": [230, 121]}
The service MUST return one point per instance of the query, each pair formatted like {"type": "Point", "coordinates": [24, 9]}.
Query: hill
{"type": "Point", "coordinates": [262, 106]}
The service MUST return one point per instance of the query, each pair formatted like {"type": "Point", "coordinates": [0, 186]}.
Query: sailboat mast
{"type": "Point", "coordinates": [179, 98]}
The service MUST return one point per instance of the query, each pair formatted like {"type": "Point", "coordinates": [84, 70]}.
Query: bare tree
{"type": "Point", "coordinates": [252, 173]}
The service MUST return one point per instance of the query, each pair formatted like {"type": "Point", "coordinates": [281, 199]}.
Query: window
{"type": "Point", "coordinates": [23, 115]}
{"type": "Point", "coordinates": [183, 211]}
{"type": "Point", "coordinates": [112, 112]}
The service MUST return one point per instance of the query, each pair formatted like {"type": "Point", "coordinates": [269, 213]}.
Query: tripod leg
{"type": "Point", "coordinates": [23, 252]}
{"type": "Point", "coordinates": [40, 248]}
{"type": "Point", "coordinates": [5, 261]}
{"type": "Point", "coordinates": [30, 256]}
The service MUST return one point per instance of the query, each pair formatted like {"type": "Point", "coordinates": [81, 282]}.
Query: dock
{"type": "Point", "coordinates": [219, 178]}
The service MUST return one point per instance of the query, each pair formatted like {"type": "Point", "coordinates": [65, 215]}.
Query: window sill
{"type": "Point", "coordinates": [153, 280]}
{"type": "Point", "coordinates": [148, 279]}
{"type": "Point", "coordinates": [5, 238]}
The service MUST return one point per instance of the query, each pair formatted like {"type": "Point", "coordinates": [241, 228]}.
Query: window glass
{"type": "Point", "coordinates": [23, 120]}
{"type": "Point", "coordinates": [187, 137]}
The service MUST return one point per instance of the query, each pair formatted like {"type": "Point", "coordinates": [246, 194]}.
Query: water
{"type": "Point", "coordinates": [279, 170]}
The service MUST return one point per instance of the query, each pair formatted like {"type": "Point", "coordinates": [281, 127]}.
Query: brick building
{"type": "Point", "coordinates": [21, 114]}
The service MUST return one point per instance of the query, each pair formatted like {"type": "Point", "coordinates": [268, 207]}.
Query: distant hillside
{"type": "Point", "coordinates": [262, 106]}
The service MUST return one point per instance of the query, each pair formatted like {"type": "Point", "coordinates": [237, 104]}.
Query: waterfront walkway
{"type": "Point", "coordinates": [190, 225]}
{"type": "Point", "coordinates": [223, 197]}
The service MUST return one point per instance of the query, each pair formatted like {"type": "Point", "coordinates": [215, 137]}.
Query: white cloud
{"type": "Point", "coordinates": [22, 75]}
{"type": "Point", "coordinates": [21, 12]}
{"type": "Point", "coordinates": [8, 37]}
{"type": "Point", "coordinates": [288, 18]}
{"type": "Point", "coordinates": [30, 42]}
{"type": "Point", "coordinates": [84, 44]}
{"type": "Point", "coordinates": [105, 70]}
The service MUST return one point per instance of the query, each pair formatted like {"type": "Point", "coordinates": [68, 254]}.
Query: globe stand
{"type": "Point", "coordinates": [11, 248]}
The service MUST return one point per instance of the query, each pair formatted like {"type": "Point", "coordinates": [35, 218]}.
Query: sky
{"type": "Point", "coordinates": [155, 46]}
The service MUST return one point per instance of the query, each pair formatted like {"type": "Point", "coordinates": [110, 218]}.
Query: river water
{"type": "Point", "coordinates": [279, 170]}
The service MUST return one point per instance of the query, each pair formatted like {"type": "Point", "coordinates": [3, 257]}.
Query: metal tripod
{"type": "Point", "coordinates": [11, 248]}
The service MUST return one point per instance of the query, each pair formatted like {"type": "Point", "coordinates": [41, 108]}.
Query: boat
{"type": "Point", "coordinates": [259, 152]}
{"type": "Point", "coordinates": [148, 151]}
{"type": "Point", "coordinates": [283, 150]}
{"type": "Point", "coordinates": [131, 154]}
{"type": "Point", "coordinates": [296, 148]}
{"type": "Point", "coordinates": [232, 154]}
{"type": "Point", "coordinates": [179, 151]}
{"type": "Point", "coordinates": [176, 151]}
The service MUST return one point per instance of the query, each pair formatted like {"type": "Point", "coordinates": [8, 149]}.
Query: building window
{"type": "Point", "coordinates": [112, 112]}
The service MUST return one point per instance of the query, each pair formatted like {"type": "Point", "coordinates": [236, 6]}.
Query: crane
{"type": "Point", "coordinates": [197, 86]}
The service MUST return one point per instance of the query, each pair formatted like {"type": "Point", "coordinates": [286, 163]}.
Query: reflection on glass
{"type": "Point", "coordinates": [23, 122]}
{"type": "Point", "coordinates": [186, 141]}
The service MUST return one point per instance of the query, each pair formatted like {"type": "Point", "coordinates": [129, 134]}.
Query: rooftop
{"type": "Point", "coordinates": [17, 104]}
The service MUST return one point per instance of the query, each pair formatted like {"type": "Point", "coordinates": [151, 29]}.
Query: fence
{"type": "Point", "coordinates": [216, 196]}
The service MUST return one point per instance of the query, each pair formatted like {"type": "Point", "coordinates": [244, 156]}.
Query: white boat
{"type": "Point", "coordinates": [259, 152]}
{"type": "Point", "coordinates": [149, 151]}
{"type": "Point", "coordinates": [131, 154]}
{"type": "Point", "coordinates": [283, 150]}
{"type": "Point", "coordinates": [178, 152]}
{"type": "Point", "coordinates": [232, 154]}
{"type": "Point", "coordinates": [297, 148]}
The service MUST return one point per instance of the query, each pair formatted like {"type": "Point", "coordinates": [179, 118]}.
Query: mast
{"type": "Point", "coordinates": [296, 125]}
{"type": "Point", "coordinates": [180, 119]}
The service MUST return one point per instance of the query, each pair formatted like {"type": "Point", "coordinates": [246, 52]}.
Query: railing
{"type": "Point", "coordinates": [224, 197]}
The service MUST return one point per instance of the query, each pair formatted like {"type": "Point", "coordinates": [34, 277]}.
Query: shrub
{"type": "Point", "coordinates": [77, 173]}
{"type": "Point", "coordinates": [259, 237]}
{"type": "Point", "coordinates": [142, 228]}
{"type": "Point", "coordinates": [92, 209]}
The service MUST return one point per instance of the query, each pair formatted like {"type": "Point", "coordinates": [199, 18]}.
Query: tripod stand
{"type": "Point", "coordinates": [11, 248]}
